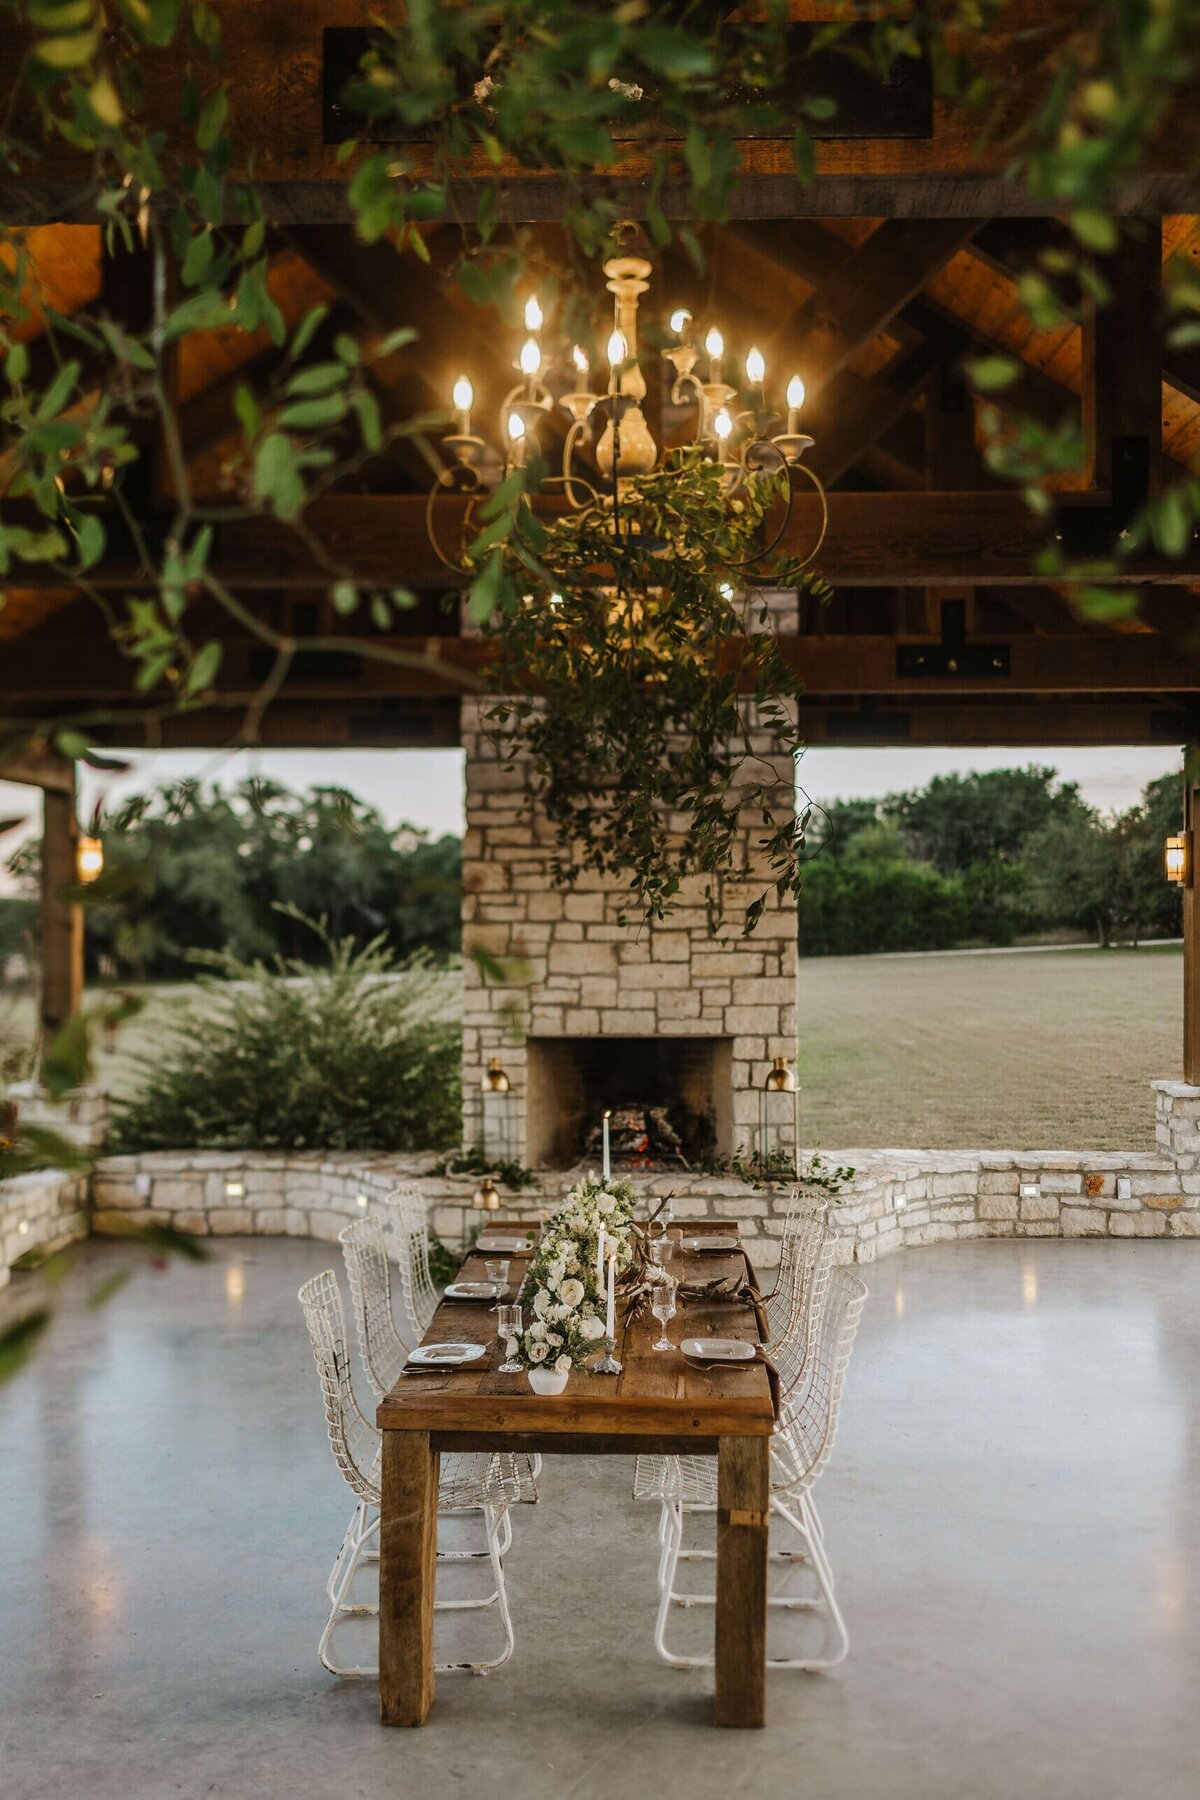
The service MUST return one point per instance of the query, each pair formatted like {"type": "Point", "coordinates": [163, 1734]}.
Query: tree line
{"type": "Point", "coordinates": [988, 858]}
{"type": "Point", "coordinates": [189, 869]}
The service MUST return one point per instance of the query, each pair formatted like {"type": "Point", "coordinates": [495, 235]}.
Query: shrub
{"type": "Point", "coordinates": [850, 908]}
{"type": "Point", "coordinates": [293, 1055]}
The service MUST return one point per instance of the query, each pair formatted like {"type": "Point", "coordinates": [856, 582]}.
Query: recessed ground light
{"type": "Point", "coordinates": [899, 1202]}
{"type": "Point", "coordinates": [141, 1187]}
{"type": "Point", "coordinates": [1124, 1187]}
{"type": "Point", "coordinates": [1031, 1190]}
{"type": "Point", "coordinates": [23, 1228]}
{"type": "Point", "coordinates": [360, 1201]}
{"type": "Point", "coordinates": [235, 1190]}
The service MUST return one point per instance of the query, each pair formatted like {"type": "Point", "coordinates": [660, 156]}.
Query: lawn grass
{"type": "Point", "coordinates": [1039, 1050]}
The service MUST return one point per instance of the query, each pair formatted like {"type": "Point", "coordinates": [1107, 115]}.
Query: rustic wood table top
{"type": "Point", "coordinates": [658, 1392]}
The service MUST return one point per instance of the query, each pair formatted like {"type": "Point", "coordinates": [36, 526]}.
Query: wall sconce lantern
{"type": "Point", "coordinates": [779, 1118]}
{"type": "Point", "coordinates": [1178, 858]}
{"type": "Point", "coordinates": [89, 859]}
{"type": "Point", "coordinates": [499, 1136]}
{"type": "Point", "coordinates": [486, 1198]}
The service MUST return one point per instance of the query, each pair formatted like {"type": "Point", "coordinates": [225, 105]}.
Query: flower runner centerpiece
{"type": "Point", "coordinates": [568, 1294]}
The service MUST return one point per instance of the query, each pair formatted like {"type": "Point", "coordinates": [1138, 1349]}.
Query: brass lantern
{"type": "Point", "coordinates": [1178, 859]}
{"type": "Point", "coordinates": [499, 1136]}
{"type": "Point", "coordinates": [779, 1119]}
{"type": "Point", "coordinates": [89, 859]}
{"type": "Point", "coordinates": [486, 1197]}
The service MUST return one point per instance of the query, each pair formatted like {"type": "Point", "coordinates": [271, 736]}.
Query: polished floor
{"type": "Point", "coordinates": [1013, 1511]}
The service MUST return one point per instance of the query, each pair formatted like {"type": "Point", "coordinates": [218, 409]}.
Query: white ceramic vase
{"type": "Point", "coordinates": [547, 1381]}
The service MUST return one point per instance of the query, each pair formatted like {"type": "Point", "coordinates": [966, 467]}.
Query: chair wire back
{"type": "Point", "coordinates": [408, 1211]}
{"type": "Point", "coordinates": [805, 1434]}
{"type": "Point", "coordinates": [354, 1440]}
{"type": "Point", "coordinates": [805, 1228]}
{"type": "Point", "coordinates": [368, 1272]}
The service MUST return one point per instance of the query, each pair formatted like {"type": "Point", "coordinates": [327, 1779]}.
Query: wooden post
{"type": "Point", "coordinates": [743, 1516]}
{"type": "Point", "coordinates": [1121, 391]}
{"type": "Point", "coordinates": [61, 920]}
{"type": "Point", "coordinates": [1191, 923]}
{"type": "Point", "coordinates": [407, 1573]}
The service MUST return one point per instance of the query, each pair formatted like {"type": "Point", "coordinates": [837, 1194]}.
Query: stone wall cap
{"type": "Point", "coordinates": [1176, 1090]}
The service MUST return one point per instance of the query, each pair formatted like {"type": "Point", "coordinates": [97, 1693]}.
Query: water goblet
{"type": "Point", "coordinates": [662, 1305]}
{"type": "Point", "coordinates": [497, 1274]}
{"type": "Point", "coordinates": [508, 1329]}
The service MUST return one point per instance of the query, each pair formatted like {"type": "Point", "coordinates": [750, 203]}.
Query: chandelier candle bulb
{"type": "Point", "coordinates": [618, 350]}
{"type": "Point", "coordinates": [534, 318]}
{"type": "Point", "coordinates": [681, 318]}
{"type": "Point", "coordinates": [722, 428]}
{"type": "Point", "coordinates": [795, 400]}
{"type": "Point", "coordinates": [756, 369]}
{"type": "Point", "coordinates": [579, 358]}
{"type": "Point", "coordinates": [464, 399]}
{"type": "Point", "coordinates": [714, 344]}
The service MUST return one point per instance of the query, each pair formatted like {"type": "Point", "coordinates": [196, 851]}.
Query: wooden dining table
{"type": "Point", "coordinates": [659, 1404]}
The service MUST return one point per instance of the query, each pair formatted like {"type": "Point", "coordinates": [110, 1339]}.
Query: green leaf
{"type": "Point", "coordinates": [381, 612]}
{"type": "Point", "coordinates": [392, 341]}
{"type": "Point", "coordinates": [304, 333]}
{"type": "Point", "coordinates": [370, 423]}
{"type": "Point", "coordinates": [312, 415]}
{"type": "Point", "coordinates": [89, 535]}
{"type": "Point", "coordinates": [345, 347]}
{"type": "Point", "coordinates": [59, 393]}
{"type": "Point", "coordinates": [486, 589]}
{"type": "Point", "coordinates": [71, 744]}
{"type": "Point", "coordinates": [818, 106]}
{"type": "Point", "coordinates": [344, 595]}
{"type": "Point", "coordinates": [198, 259]}
{"type": "Point", "coordinates": [68, 52]}
{"type": "Point", "coordinates": [991, 374]}
{"type": "Point", "coordinates": [673, 52]}
{"type": "Point", "coordinates": [248, 411]}
{"type": "Point", "coordinates": [203, 670]}
{"type": "Point", "coordinates": [1095, 229]}
{"type": "Point", "coordinates": [804, 156]}
{"type": "Point", "coordinates": [277, 476]}
{"type": "Point", "coordinates": [16, 363]}
{"type": "Point", "coordinates": [317, 378]}
{"type": "Point", "coordinates": [212, 117]}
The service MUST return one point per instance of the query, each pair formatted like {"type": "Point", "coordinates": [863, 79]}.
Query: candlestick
{"type": "Point", "coordinates": [714, 343]}
{"type": "Point", "coordinates": [795, 400]}
{"type": "Point", "coordinates": [611, 1324]}
{"type": "Point", "coordinates": [600, 1263]}
{"type": "Point", "coordinates": [464, 398]}
{"type": "Point", "coordinates": [607, 1158]}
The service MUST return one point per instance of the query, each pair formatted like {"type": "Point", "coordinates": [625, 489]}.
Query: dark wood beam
{"type": "Point", "coordinates": [1191, 922]}
{"type": "Point", "coordinates": [61, 921]}
{"type": "Point", "coordinates": [995, 723]}
{"type": "Point", "coordinates": [1121, 392]}
{"type": "Point", "coordinates": [865, 293]}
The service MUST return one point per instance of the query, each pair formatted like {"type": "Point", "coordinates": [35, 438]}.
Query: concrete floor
{"type": "Point", "coordinates": [1012, 1512]}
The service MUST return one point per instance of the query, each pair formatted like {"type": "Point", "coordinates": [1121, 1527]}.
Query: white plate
{"type": "Point", "coordinates": [446, 1356]}
{"type": "Point", "coordinates": [718, 1350]}
{"type": "Point", "coordinates": [472, 1290]}
{"type": "Point", "coordinates": [508, 1245]}
{"type": "Point", "coordinates": [711, 1242]}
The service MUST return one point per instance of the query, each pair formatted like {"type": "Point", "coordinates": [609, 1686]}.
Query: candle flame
{"type": "Point", "coordinates": [533, 314]}
{"type": "Point", "coordinates": [579, 358]}
{"type": "Point", "coordinates": [795, 392]}
{"type": "Point", "coordinates": [464, 394]}
{"type": "Point", "coordinates": [756, 367]}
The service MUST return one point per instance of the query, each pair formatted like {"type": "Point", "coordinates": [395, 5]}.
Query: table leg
{"type": "Point", "coordinates": [407, 1571]}
{"type": "Point", "coordinates": [743, 1502]}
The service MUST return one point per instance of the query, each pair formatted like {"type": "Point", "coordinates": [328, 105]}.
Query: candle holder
{"type": "Point", "coordinates": [608, 1364]}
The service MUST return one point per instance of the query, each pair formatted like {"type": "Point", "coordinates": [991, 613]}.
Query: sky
{"type": "Point", "coordinates": [424, 788]}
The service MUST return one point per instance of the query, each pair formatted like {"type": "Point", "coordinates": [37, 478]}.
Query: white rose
{"type": "Point", "coordinates": [536, 1331]}
{"type": "Point", "coordinates": [538, 1353]}
{"type": "Point", "coordinates": [605, 1203]}
{"type": "Point", "coordinates": [562, 1312]}
{"type": "Point", "coordinates": [592, 1328]}
{"type": "Point", "coordinates": [541, 1303]}
{"type": "Point", "coordinates": [563, 1365]}
{"type": "Point", "coordinates": [554, 1337]}
{"type": "Point", "coordinates": [572, 1292]}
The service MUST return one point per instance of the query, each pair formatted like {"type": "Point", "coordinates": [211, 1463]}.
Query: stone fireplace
{"type": "Point", "coordinates": [594, 1013]}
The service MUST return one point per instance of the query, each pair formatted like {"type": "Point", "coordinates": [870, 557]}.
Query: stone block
{"type": "Point", "coordinates": [1083, 1221]}
{"type": "Point", "coordinates": [997, 1206]}
{"type": "Point", "coordinates": [1138, 1225]}
{"type": "Point", "coordinates": [998, 1181]}
{"type": "Point", "coordinates": [1162, 1202]}
{"type": "Point", "coordinates": [582, 959]}
{"type": "Point", "coordinates": [740, 1020]}
{"type": "Point", "coordinates": [1039, 1208]}
{"type": "Point", "coordinates": [628, 1021]}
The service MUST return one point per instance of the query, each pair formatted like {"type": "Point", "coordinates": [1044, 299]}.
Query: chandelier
{"type": "Point", "coordinates": [608, 445]}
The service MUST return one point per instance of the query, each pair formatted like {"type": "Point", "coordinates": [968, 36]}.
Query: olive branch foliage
{"type": "Point", "coordinates": [466, 89]}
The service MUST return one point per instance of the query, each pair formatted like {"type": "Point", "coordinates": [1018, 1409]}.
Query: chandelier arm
{"type": "Point", "coordinates": [824, 499]}
{"type": "Point", "coordinates": [568, 479]}
{"type": "Point", "coordinates": [446, 479]}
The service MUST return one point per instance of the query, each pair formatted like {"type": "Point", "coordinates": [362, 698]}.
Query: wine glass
{"type": "Point", "coordinates": [497, 1274]}
{"type": "Point", "coordinates": [662, 1305]}
{"type": "Point", "coordinates": [508, 1327]}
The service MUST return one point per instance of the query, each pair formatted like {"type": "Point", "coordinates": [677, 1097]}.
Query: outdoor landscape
{"type": "Point", "coordinates": [1005, 911]}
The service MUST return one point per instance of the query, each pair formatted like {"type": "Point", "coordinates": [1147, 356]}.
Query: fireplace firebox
{"type": "Point", "coordinates": [573, 1081]}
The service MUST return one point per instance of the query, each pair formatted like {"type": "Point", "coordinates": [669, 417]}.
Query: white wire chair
{"type": "Point", "coordinates": [800, 1450]}
{"type": "Point", "coordinates": [476, 1484]}
{"type": "Point", "coordinates": [408, 1216]}
{"type": "Point", "coordinates": [382, 1349]}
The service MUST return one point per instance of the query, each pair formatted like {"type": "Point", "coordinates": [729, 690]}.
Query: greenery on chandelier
{"type": "Point", "coordinates": [561, 85]}
{"type": "Point", "coordinates": [642, 683]}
